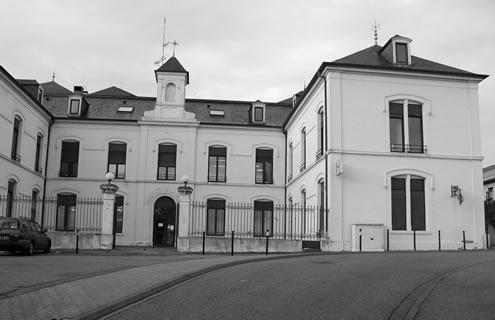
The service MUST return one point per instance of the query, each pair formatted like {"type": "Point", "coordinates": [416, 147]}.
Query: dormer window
{"type": "Point", "coordinates": [40, 94]}
{"type": "Point", "coordinates": [258, 112]}
{"type": "Point", "coordinates": [401, 54]}
{"type": "Point", "coordinates": [74, 106]}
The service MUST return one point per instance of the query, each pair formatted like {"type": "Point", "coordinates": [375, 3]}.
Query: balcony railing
{"type": "Point", "coordinates": [408, 148]}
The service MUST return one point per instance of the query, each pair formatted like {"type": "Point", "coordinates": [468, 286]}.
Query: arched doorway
{"type": "Point", "coordinates": [164, 214]}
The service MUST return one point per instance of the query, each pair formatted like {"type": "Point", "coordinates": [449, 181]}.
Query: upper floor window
{"type": "Point", "coordinates": [258, 112]}
{"type": "Point", "coordinates": [290, 161]}
{"type": "Point", "coordinates": [217, 164]}
{"type": "Point", "coordinates": [264, 166]}
{"type": "Point", "coordinates": [16, 137]}
{"type": "Point", "coordinates": [69, 159]}
{"type": "Point", "coordinates": [117, 159]}
{"type": "Point", "coordinates": [37, 156]}
{"type": "Point", "coordinates": [321, 134]}
{"type": "Point", "coordinates": [263, 218]}
{"type": "Point", "coordinates": [406, 127]}
{"type": "Point", "coordinates": [408, 203]}
{"type": "Point", "coordinates": [74, 106]}
{"type": "Point", "coordinates": [12, 184]}
{"type": "Point", "coordinates": [303, 149]}
{"type": "Point", "coordinates": [66, 212]}
{"type": "Point", "coordinates": [401, 53]}
{"type": "Point", "coordinates": [170, 90]}
{"type": "Point", "coordinates": [40, 95]}
{"type": "Point", "coordinates": [215, 217]}
{"type": "Point", "coordinates": [167, 161]}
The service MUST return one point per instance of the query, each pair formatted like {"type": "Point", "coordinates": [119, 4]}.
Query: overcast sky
{"type": "Point", "coordinates": [238, 50]}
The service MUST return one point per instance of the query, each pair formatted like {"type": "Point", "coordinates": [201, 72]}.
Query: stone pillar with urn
{"type": "Point", "coordinates": [185, 192]}
{"type": "Point", "coordinates": [107, 214]}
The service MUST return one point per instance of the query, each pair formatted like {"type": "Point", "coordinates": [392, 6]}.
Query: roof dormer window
{"type": "Point", "coordinates": [258, 112]}
{"type": "Point", "coordinates": [401, 53]}
{"type": "Point", "coordinates": [40, 95]}
{"type": "Point", "coordinates": [74, 106]}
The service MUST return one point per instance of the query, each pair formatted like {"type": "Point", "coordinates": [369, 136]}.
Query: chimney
{"type": "Point", "coordinates": [79, 90]}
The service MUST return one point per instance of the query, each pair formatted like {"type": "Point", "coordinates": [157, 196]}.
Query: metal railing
{"type": "Point", "coordinates": [281, 222]}
{"type": "Point", "coordinates": [409, 148]}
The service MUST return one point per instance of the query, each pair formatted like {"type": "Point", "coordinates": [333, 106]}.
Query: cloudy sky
{"type": "Point", "coordinates": [238, 50]}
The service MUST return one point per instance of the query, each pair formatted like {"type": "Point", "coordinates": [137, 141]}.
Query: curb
{"type": "Point", "coordinates": [117, 305]}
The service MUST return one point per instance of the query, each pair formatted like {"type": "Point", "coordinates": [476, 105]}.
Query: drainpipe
{"type": "Point", "coordinates": [46, 173]}
{"type": "Point", "coordinates": [326, 148]}
{"type": "Point", "coordinates": [285, 187]}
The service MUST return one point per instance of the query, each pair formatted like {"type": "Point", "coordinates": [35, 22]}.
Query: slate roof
{"type": "Point", "coordinates": [53, 88]}
{"type": "Point", "coordinates": [112, 91]}
{"type": "Point", "coordinates": [173, 65]}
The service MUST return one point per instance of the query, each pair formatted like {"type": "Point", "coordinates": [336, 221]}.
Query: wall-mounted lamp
{"type": "Point", "coordinates": [455, 191]}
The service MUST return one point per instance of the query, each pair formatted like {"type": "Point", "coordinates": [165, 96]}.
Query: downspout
{"type": "Point", "coordinates": [326, 148]}
{"type": "Point", "coordinates": [46, 173]}
{"type": "Point", "coordinates": [285, 186]}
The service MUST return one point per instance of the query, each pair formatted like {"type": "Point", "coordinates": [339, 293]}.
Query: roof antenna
{"type": "Point", "coordinates": [164, 44]}
{"type": "Point", "coordinates": [375, 28]}
{"type": "Point", "coordinates": [53, 77]}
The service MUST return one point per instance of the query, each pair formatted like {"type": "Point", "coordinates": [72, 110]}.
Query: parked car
{"type": "Point", "coordinates": [20, 234]}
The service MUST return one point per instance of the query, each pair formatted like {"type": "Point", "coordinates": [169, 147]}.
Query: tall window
{"type": "Point", "coordinates": [401, 53]}
{"type": "Point", "coordinates": [406, 127]}
{"type": "Point", "coordinates": [116, 159]}
{"type": "Point", "coordinates": [37, 157]}
{"type": "Point", "coordinates": [10, 197]}
{"type": "Point", "coordinates": [264, 166]}
{"type": "Point", "coordinates": [321, 190]}
{"type": "Point", "coordinates": [217, 164]}
{"type": "Point", "coordinates": [303, 149]}
{"type": "Point", "coordinates": [303, 211]}
{"type": "Point", "coordinates": [321, 133]}
{"type": "Point", "coordinates": [167, 159]}
{"type": "Point", "coordinates": [66, 212]}
{"type": "Point", "coordinates": [215, 217]}
{"type": "Point", "coordinates": [408, 203]}
{"type": "Point", "coordinates": [34, 203]}
{"type": "Point", "coordinates": [14, 154]}
{"type": "Point", "coordinates": [69, 159]}
{"type": "Point", "coordinates": [290, 161]}
{"type": "Point", "coordinates": [263, 218]}
{"type": "Point", "coordinates": [118, 214]}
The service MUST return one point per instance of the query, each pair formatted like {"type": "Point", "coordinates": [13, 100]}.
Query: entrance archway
{"type": "Point", "coordinates": [164, 214]}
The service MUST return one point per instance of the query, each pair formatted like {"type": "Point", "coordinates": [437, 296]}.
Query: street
{"type": "Point", "coordinates": [421, 285]}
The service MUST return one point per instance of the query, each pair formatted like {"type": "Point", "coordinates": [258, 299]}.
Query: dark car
{"type": "Point", "coordinates": [20, 234]}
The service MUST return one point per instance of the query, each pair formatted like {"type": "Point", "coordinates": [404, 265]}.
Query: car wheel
{"type": "Point", "coordinates": [30, 249]}
{"type": "Point", "coordinates": [48, 247]}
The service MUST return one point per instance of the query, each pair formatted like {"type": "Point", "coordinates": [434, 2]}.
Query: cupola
{"type": "Point", "coordinates": [171, 80]}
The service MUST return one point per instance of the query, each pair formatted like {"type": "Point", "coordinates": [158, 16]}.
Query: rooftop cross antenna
{"type": "Point", "coordinates": [175, 43]}
{"type": "Point", "coordinates": [53, 77]}
{"type": "Point", "coordinates": [164, 44]}
{"type": "Point", "coordinates": [375, 28]}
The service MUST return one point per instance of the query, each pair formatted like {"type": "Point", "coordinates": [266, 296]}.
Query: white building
{"type": "Point", "coordinates": [365, 152]}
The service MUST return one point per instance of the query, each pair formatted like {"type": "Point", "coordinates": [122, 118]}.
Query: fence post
{"type": "Point", "coordinates": [204, 239]}
{"type": "Point", "coordinates": [464, 239]}
{"type": "Point", "coordinates": [414, 239]}
{"type": "Point", "coordinates": [267, 235]}
{"type": "Point", "coordinates": [487, 241]}
{"type": "Point", "coordinates": [107, 214]}
{"type": "Point", "coordinates": [388, 240]}
{"type": "Point", "coordinates": [77, 241]}
{"type": "Point", "coordinates": [439, 242]}
{"type": "Point", "coordinates": [232, 247]}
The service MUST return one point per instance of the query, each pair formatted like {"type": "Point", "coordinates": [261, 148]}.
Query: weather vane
{"type": "Point", "coordinates": [175, 43]}
{"type": "Point", "coordinates": [375, 28]}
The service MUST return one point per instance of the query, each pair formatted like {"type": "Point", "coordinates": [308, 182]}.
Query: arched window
{"type": "Point", "coordinates": [303, 211]}
{"type": "Point", "coordinates": [217, 164]}
{"type": "Point", "coordinates": [406, 126]}
{"type": "Point", "coordinates": [34, 203]}
{"type": "Point", "coordinates": [321, 134]}
{"type": "Point", "coordinates": [11, 189]}
{"type": "Point", "coordinates": [321, 204]}
{"type": "Point", "coordinates": [170, 92]}
{"type": "Point", "coordinates": [290, 161]}
{"type": "Point", "coordinates": [303, 149]}
{"type": "Point", "coordinates": [37, 156]}
{"type": "Point", "coordinates": [16, 139]}
{"type": "Point", "coordinates": [263, 218]}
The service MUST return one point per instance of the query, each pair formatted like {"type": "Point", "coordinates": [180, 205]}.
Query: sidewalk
{"type": "Point", "coordinates": [96, 296]}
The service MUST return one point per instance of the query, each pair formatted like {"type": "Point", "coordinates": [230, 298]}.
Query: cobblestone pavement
{"type": "Point", "coordinates": [86, 286]}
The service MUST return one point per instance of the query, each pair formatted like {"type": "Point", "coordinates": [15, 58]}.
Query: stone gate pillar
{"type": "Point", "coordinates": [107, 213]}
{"type": "Point", "coordinates": [184, 216]}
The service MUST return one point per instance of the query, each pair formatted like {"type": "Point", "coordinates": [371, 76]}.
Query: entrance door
{"type": "Point", "coordinates": [164, 222]}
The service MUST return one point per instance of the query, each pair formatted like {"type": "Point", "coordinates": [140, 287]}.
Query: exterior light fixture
{"type": "Point", "coordinates": [185, 189]}
{"type": "Point", "coordinates": [110, 176]}
{"type": "Point", "coordinates": [455, 191]}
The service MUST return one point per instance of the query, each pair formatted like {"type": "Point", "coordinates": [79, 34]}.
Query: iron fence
{"type": "Point", "coordinates": [249, 220]}
{"type": "Point", "coordinates": [60, 213]}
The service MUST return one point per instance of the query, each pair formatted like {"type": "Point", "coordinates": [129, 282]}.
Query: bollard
{"type": "Point", "coordinates": [360, 240]}
{"type": "Point", "coordinates": [388, 240]}
{"type": "Point", "coordinates": [267, 235]}
{"type": "Point", "coordinates": [487, 243]}
{"type": "Point", "coordinates": [232, 246]}
{"type": "Point", "coordinates": [439, 242]}
{"type": "Point", "coordinates": [414, 239]}
{"type": "Point", "coordinates": [77, 241]}
{"type": "Point", "coordinates": [464, 239]}
{"type": "Point", "coordinates": [204, 239]}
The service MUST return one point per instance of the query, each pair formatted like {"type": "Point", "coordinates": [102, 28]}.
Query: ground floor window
{"type": "Point", "coordinates": [215, 220]}
{"type": "Point", "coordinates": [118, 214]}
{"type": "Point", "coordinates": [408, 203]}
{"type": "Point", "coordinates": [66, 212]}
{"type": "Point", "coordinates": [263, 218]}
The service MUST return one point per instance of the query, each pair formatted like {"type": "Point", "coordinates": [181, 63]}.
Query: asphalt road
{"type": "Point", "coordinates": [421, 285]}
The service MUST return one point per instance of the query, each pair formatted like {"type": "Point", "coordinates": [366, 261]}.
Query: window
{"type": "Point", "coordinates": [118, 216]}
{"type": "Point", "coordinates": [217, 164]}
{"type": "Point", "coordinates": [258, 114]}
{"type": "Point", "coordinates": [303, 208]}
{"type": "Point", "coordinates": [37, 157]}
{"type": "Point", "coordinates": [321, 134]}
{"type": "Point", "coordinates": [10, 197]}
{"type": "Point", "coordinates": [406, 127]}
{"type": "Point", "coordinates": [14, 154]}
{"type": "Point", "coordinates": [408, 189]}
{"type": "Point", "coordinates": [215, 219]}
{"type": "Point", "coordinates": [69, 159]}
{"type": "Point", "coordinates": [263, 218]}
{"type": "Point", "coordinates": [126, 109]}
{"type": "Point", "coordinates": [167, 160]}
{"type": "Point", "coordinates": [264, 166]}
{"type": "Point", "coordinates": [321, 189]}
{"type": "Point", "coordinates": [401, 53]}
{"type": "Point", "coordinates": [170, 92]}
{"type": "Point", "coordinates": [303, 149]}
{"type": "Point", "coordinates": [74, 106]}
{"type": "Point", "coordinates": [40, 94]}
{"type": "Point", "coordinates": [66, 212]}
{"type": "Point", "coordinates": [34, 203]}
{"type": "Point", "coordinates": [290, 161]}
{"type": "Point", "coordinates": [116, 159]}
